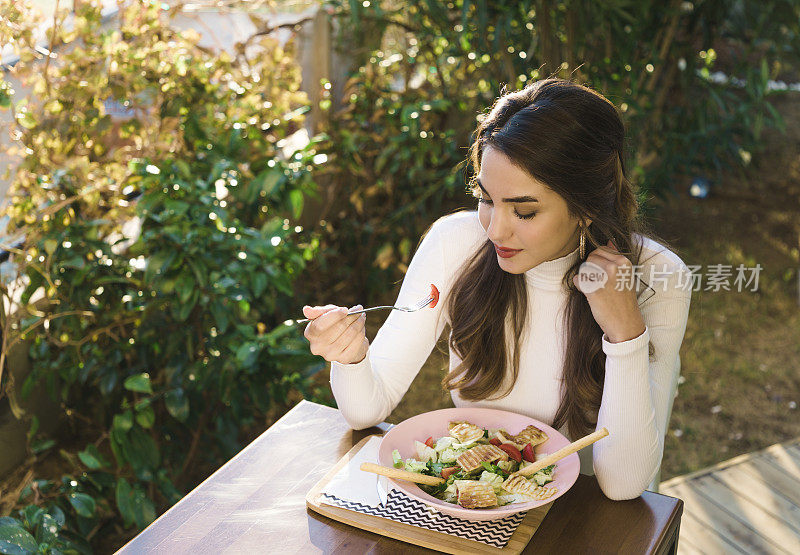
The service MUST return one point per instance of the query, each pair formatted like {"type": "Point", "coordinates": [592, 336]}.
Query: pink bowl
{"type": "Point", "coordinates": [434, 423]}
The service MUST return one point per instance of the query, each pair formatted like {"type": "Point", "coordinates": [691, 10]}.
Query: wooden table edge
{"type": "Point", "coordinates": [669, 538]}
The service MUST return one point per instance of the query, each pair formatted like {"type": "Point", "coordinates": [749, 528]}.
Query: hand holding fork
{"type": "Point", "coordinates": [338, 334]}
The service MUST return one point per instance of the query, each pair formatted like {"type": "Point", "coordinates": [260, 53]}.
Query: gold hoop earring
{"type": "Point", "coordinates": [582, 248]}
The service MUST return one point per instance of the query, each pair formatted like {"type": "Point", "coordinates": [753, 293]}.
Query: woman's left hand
{"type": "Point", "coordinates": [615, 309]}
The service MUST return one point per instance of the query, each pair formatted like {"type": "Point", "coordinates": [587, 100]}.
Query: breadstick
{"type": "Point", "coordinates": [563, 452]}
{"type": "Point", "coordinates": [398, 474]}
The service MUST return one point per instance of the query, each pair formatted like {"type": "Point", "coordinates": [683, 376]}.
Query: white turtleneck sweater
{"type": "Point", "coordinates": [637, 393]}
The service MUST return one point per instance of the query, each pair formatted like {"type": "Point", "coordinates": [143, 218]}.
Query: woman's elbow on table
{"type": "Point", "coordinates": [622, 493]}
{"type": "Point", "coordinates": [624, 476]}
{"type": "Point", "coordinates": [621, 487]}
{"type": "Point", "coordinates": [360, 420]}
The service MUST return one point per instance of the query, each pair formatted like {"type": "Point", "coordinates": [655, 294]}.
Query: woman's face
{"type": "Point", "coordinates": [523, 215]}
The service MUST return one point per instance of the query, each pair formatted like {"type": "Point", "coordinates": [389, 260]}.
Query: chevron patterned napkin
{"type": "Point", "coordinates": [356, 490]}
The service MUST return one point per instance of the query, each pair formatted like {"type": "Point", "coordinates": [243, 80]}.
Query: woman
{"type": "Point", "coordinates": [534, 330]}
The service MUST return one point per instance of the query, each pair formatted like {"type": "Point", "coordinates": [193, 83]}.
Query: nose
{"type": "Point", "coordinates": [499, 230]}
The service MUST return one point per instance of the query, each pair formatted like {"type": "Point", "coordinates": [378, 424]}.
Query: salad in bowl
{"type": "Point", "coordinates": [477, 465]}
{"type": "Point", "coordinates": [478, 454]}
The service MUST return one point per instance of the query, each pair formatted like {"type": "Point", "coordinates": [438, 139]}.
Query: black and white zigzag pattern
{"type": "Point", "coordinates": [401, 508]}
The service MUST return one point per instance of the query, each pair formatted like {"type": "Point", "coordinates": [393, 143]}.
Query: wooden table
{"type": "Point", "coordinates": [255, 503]}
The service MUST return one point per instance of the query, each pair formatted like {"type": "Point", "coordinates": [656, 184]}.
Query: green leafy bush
{"type": "Point", "coordinates": [159, 261]}
{"type": "Point", "coordinates": [43, 529]}
{"type": "Point", "coordinates": [167, 337]}
{"type": "Point", "coordinates": [425, 71]}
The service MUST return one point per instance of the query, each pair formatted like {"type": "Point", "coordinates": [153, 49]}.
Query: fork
{"type": "Point", "coordinates": [419, 305]}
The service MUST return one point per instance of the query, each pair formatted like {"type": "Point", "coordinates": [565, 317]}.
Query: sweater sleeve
{"type": "Point", "coordinates": [638, 394]}
{"type": "Point", "coordinates": [368, 391]}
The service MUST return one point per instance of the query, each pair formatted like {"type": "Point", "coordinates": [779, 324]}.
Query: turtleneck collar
{"type": "Point", "coordinates": [549, 275]}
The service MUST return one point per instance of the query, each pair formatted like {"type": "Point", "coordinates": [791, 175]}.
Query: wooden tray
{"type": "Point", "coordinates": [413, 534]}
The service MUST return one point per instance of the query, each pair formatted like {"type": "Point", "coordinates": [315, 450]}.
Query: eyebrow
{"type": "Point", "coordinates": [526, 198]}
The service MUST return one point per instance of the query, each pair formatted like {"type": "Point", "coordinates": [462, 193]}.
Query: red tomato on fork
{"type": "Point", "coordinates": [435, 295]}
{"type": "Point", "coordinates": [512, 451]}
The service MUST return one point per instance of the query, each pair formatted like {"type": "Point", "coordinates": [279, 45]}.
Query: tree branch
{"type": "Point", "coordinates": [198, 433]}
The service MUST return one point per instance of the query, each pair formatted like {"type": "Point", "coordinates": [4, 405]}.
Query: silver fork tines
{"type": "Point", "coordinates": [413, 308]}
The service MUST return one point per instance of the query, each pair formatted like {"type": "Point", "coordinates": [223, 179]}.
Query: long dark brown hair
{"type": "Point", "coordinates": [570, 138]}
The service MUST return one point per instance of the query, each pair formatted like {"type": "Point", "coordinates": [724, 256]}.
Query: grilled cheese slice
{"type": "Point", "coordinates": [472, 458]}
{"type": "Point", "coordinates": [505, 437]}
{"type": "Point", "coordinates": [465, 432]}
{"type": "Point", "coordinates": [523, 486]}
{"type": "Point", "coordinates": [532, 435]}
{"type": "Point", "coordinates": [473, 494]}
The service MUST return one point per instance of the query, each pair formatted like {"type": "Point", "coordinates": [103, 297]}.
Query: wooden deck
{"type": "Point", "coordinates": [748, 504]}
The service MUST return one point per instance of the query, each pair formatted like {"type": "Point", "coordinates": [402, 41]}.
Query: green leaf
{"type": "Point", "coordinates": [199, 272]}
{"type": "Point", "coordinates": [33, 516]}
{"type": "Point", "coordinates": [58, 515]}
{"type": "Point", "coordinates": [177, 404]}
{"type": "Point", "coordinates": [41, 445]}
{"type": "Point", "coordinates": [143, 510]}
{"type": "Point", "coordinates": [186, 308]}
{"type": "Point", "coordinates": [47, 531]}
{"type": "Point", "coordinates": [277, 333]}
{"type": "Point", "coordinates": [247, 354]}
{"type": "Point", "coordinates": [296, 201]}
{"type": "Point", "coordinates": [26, 120]}
{"type": "Point", "coordinates": [139, 383]}
{"type": "Point", "coordinates": [118, 439]}
{"type": "Point", "coordinates": [15, 540]}
{"type": "Point", "coordinates": [124, 501]}
{"type": "Point", "coordinates": [259, 283]}
{"type": "Point", "coordinates": [220, 315]}
{"type": "Point", "coordinates": [185, 286]}
{"type": "Point", "coordinates": [183, 168]}
{"type": "Point", "coordinates": [141, 450]}
{"type": "Point", "coordinates": [92, 458]}
{"type": "Point", "coordinates": [167, 488]}
{"type": "Point", "coordinates": [50, 246]}
{"type": "Point", "coordinates": [76, 262]}
{"type": "Point", "coordinates": [72, 543]}
{"type": "Point", "coordinates": [269, 180]}
{"type": "Point", "coordinates": [83, 504]}
{"type": "Point", "coordinates": [146, 417]}
{"type": "Point", "coordinates": [776, 116]}
{"type": "Point", "coordinates": [108, 382]}
{"type": "Point", "coordinates": [159, 263]}
{"type": "Point", "coordinates": [34, 427]}
{"type": "Point", "coordinates": [35, 282]}
{"type": "Point", "coordinates": [123, 422]}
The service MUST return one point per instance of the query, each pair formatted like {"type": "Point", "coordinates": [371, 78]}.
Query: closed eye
{"type": "Point", "coordinates": [488, 202]}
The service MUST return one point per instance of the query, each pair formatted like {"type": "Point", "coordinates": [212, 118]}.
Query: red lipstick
{"type": "Point", "coordinates": [505, 253]}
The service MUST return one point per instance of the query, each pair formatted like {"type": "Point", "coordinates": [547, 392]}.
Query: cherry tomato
{"type": "Point", "coordinates": [429, 442]}
{"type": "Point", "coordinates": [495, 441]}
{"type": "Point", "coordinates": [528, 454]}
{"type": "Point", "coordinates": [435, 295]}
{"type": "Point", "coordinates": [450, 470]}
{"type": "Point", "coordinates": [512, 451]}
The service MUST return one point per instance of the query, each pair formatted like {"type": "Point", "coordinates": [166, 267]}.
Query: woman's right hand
{"type": "Point", "coordinates": [336, 336]}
